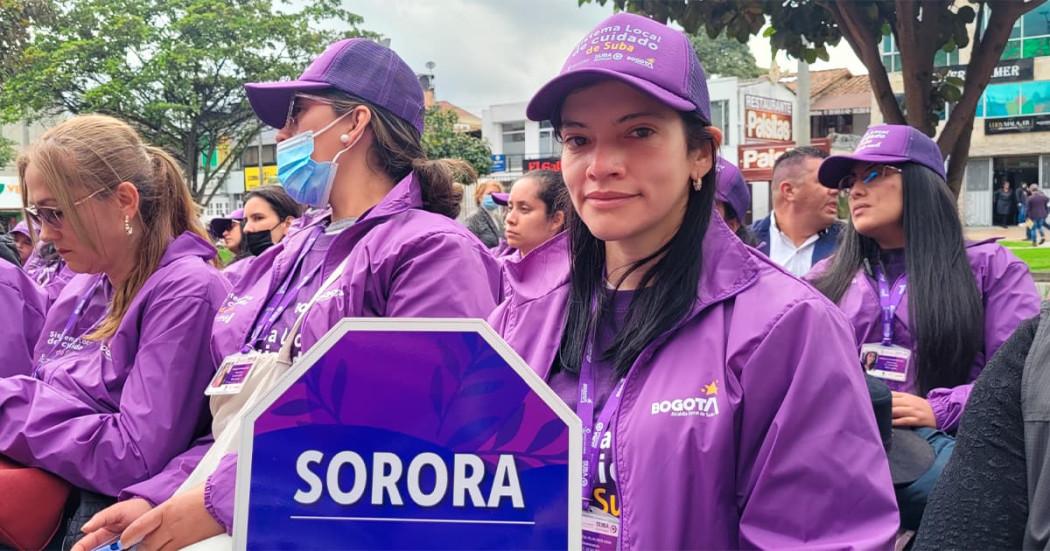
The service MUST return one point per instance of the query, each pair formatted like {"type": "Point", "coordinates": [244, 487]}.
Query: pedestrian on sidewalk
{"type": "Point", "coordinates": [1037, 209]}
{"type": "Point", "coordinates": [1004, 199]}
{"type": "Point", "coordinates": [1021, 197]}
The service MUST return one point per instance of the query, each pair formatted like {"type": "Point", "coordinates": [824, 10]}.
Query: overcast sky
{"type": "Point", "coordinates": [489, 52]}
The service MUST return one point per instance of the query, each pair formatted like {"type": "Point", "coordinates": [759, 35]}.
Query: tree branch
{"type": "Point", "coordinates": [865, 45]}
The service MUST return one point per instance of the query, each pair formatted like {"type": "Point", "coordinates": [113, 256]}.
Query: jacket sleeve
{"type": "Point", "coordinates": [443, 275]}
{"type": "Point", "coordinates": [987, 469]}
{"type": "Point", "coordinates": [808, 435]}
{"type": "Point", "coordinates": [219, 491]}
{"type": "Point", "coordinates": [1010, 297]}
{"type": "Point", "coordinates": [160, 488]}
{"type": "Point", "coordinates": [26, 308]}
{"type": "Point", "coordinates": [159, 412]}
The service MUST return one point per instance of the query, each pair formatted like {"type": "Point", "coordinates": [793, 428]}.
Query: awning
{"type": "Point", "coordinates": [10, 196]}
{"type": "Point", "coordinates": [845, 104]}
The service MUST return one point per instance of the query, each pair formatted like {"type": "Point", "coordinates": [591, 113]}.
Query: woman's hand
{"type": "Point", "coordinates": [176, 523]}
{"type": "Point", "coordinates": [910, 410]}
{"type": "Point", "coordinates": [108, 523]}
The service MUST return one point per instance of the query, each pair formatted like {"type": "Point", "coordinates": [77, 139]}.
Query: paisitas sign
{"type": "Point", "coordinates": [756, 160]}
{"type": "Point", "coordinates": [767, 119]}
{"type": "Point", "coordinates": [409, 434]}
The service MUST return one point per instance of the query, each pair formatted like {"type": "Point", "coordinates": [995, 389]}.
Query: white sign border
{"type": "Point", "coordinates": [447, 325]}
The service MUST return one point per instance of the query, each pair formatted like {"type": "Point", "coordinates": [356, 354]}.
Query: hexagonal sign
{"type": "Point", "coordinates": [409, 434]}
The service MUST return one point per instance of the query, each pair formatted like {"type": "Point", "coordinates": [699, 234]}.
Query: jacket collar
{"type": "Point", "coordinates": [728, 267]}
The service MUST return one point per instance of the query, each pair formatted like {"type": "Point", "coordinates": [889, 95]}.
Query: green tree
{"type": "Point", "coordinates": [725, 56]}
{"type": "Point", "coordinates": [17, 17]}
{"type": "Point", "coordinates": [921, 28]}
{"type": "Point", "coordinates": [174, 69]}
{"type": "Point", "coordinates": [442, 141]}
{"type": "Point", "coordinates": [7, 152]}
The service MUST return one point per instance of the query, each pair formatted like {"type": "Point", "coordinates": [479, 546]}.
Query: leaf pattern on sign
{"type": "Point", "coordinates": [484, 387]}
{"type": "Point", "coordinates": [550, 431]}
{"type": "Point", "coordinates": [510, 428]}
{"type": "Point", "coordinates": [472, 431]}
{"type": "Point", "coordinates": [437, 393]}
{"type": "Point", "coordinates": [338, 388]}
{"type": "Point", "coordinates": [292, 408]}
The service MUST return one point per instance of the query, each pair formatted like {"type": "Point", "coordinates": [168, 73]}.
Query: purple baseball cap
{"type": "Point", "coordinates": [22, 228]}
{"type": "Point", "coordinates": [731, 188]}
{"type": "Point", "coordinates": [501, 198]}
{"type": "Point", "coordinates": [218, 225]}
{"type": "Point", "coordinates": [884, 144]}
{"type": "Point", "coordinates": [357, 66]}
{"type": "Point", "coordinates": [650, 56]}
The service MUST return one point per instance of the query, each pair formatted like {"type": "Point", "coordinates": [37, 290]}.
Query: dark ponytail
{"type": "Point", "coordinates": [668, 289]}
{"type": "Point", "coordinates": [398, 151]}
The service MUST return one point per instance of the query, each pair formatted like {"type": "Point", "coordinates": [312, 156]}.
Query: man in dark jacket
{"type": "Point", "coordinates": [1037, 210]}
{"type": "Point", "coordinates": [803, 228]}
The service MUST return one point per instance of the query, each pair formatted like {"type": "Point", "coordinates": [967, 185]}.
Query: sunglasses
{"type": "Point", "coordinates": [298, 104]}
{"type": "Point", "coordinates": [848, 181]}
{"type": "Point", "coordinates": [53, 216]}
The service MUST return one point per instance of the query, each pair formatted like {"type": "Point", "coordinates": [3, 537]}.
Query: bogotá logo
{"type": "Point", "coordinates": [704, 404]}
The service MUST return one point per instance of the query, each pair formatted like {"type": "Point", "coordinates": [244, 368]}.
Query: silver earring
{"type": "Point", "coordinates": [697, 184]}
{"type": "Point", "coordinates": [127, 226]}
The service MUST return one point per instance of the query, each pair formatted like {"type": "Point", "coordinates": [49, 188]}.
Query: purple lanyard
{"type": "Point", "coordinates": [78, 312]}
{"type": "Point", "coordinates": [283, 298]}
{"type": "Point", "coordinates": [593, 432]}
{"type": "Point", "coordinates": [889, 300]}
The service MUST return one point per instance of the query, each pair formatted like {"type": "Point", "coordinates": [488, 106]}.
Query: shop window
{"type": "Point", "coordinates": [720, 118]}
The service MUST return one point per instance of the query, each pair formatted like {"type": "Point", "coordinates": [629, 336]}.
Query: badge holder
{"type": "Point", "coordinates": [257, 372]}
{"type": "Point", "coordinates": [889, 363]}
{"type": "Point", "coordinates": [601, 531]}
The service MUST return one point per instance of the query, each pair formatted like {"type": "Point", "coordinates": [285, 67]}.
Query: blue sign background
{"type": "Point", "coordinates": [409, 393]}
{"type": "Point", "coordinates": [499, 163]}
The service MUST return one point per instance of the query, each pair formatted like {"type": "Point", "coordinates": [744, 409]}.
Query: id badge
{"type": "Point", "coordinates": [601, 531]}
{"type": "Point", "coordinates": [232, 375]}
{"type": "Point", "coordinates": [889, 363]}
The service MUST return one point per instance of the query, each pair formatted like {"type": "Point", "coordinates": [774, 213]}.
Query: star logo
{"type": "Point", "coordinates": [710, 389]}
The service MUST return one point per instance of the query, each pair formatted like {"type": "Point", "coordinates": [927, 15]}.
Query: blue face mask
{"type": "Point", "coordinates": [488, 203]}
{"type": "Point", "coordinates": [307, 181]}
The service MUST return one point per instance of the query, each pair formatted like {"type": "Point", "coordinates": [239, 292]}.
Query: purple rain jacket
{"type": "Point", "coordinates": [404, 262]}
{"type": "Point", "coordinates": [789, 457]}
{"type": "Point", "coordinates": [25, 305]}
{"type": "Point", "coordinates": [107, 415]}
{"type": "Point", "coordinates": [1009, 297]}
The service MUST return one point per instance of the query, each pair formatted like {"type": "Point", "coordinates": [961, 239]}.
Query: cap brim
{"type": "Point", "coordinates": [270, 100]}
{"type": "Point", "coordinates": [910, 456]}
{"type": "Point", "coordinates": [501, 199]}
{"type": "Point", "coordinates": [549, 98]}
{"type": "Point", "coordinates": [836, 167]}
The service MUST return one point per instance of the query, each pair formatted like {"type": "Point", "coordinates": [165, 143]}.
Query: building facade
{"type": "Point", "coordinates": [1011, 136]}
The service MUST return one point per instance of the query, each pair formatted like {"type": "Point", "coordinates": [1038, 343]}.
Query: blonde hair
{"type": "Point", "coordinates": [95, 153]}
{"type": "Point", "coordinates": [483, 187]}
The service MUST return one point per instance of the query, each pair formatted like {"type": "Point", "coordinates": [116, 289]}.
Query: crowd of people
{"type": "Point", "coordinates": [866, 372]}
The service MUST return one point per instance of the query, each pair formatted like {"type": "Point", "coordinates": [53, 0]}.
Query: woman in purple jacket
{"type": "Point", "coordinates": [932, 307]}
{"type": "Point", "coordinates": [702, 358]}
{"type": "Point", "coordinates": [350, 140]}
{"type": "Point", "coordinates": [109, 401]}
